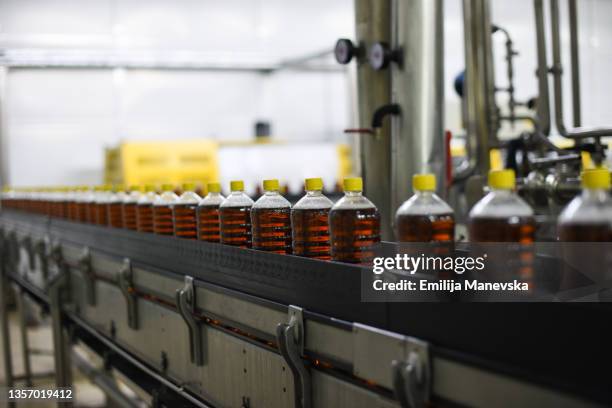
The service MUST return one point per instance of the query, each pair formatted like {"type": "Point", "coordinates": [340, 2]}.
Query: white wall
{"type": "Point", "coordinates": [58, 121]}
{"type": "Point", "coordinates": [517, 17]}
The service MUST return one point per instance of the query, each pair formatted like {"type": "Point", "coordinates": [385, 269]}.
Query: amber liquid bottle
{"type": "Point", "coordinates": [502, 216]}
{"type": "Point", "coordinates": [92, 197]}
{"type": "Point", "coordinates": [63, 200]}
{"type": "Point", "coordinates": [144, 210]}
{"type": "Point", "coordinates": [114, 213]}
{"type": "Point", "coordinates": [425, 223]}
{"type": "Point", "coordinates": [208, 214]}
{"type": "Point", "coordinates": [354, 226]}
{"type": "Point", "coordinates": [271, 220]}
{"type": "Point", "coordinates": [129, 208]}
{"type": "Point", "coordinates": [504, 225]}
{"type": "Point", "coordinates": [310, 222]}
{"type": "Point", "coordinates": [163, 222]}
{"type": "Point", "coordinates": [185, 213]}
{"type": "Point", "coordinates": [585, 231]}
{"type": "Point", "coordinates": [101, 206]}
{"type": "Point", "coordinates": [235, 217]}
{"type": "Point", "coordinates": [82, 205]}
{"type": "Point", "coordinates": [588, 217]}
{"type": "Point", "coordinates": [72, 204]}
{"type": "Point", "coordinates": [50, 199]}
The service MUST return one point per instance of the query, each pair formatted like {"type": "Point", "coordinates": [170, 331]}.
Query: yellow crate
{"type": "Point", "coordinates": [112, 166]}
{"type": "Point", "coordinates": [345, 164]}
{"type": "Point", "coordinates": [162, 162]}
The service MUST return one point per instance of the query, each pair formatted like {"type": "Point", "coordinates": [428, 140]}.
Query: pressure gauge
{"type": "Point", "coordinates": [344, 51]}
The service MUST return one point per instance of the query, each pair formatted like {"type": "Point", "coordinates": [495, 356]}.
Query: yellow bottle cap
{"type": "Point", "coordinates": [353, 184]}
{"type": "Point", "coordinates": [214, 187]}
{"type": "Point", "coordinates": [598, 178]}
{"type": "Point", "coordinates": [188, 187]}
{"type": "Point", "coordinates": [237, 185]}
{"type": "Point", "coordinates": [149, 188]}
{"type": "Point", "coordinates": [587, 161]}
{"type": "Point", "coordinates": [167, 187]}
{"type": "Point", "coordinates": [271, 185]}
{"type": "Point", "coordinates": [314, 184]}
{"type": "Point", "coordinates": [495, 158]}
{"type": "Point", "coordinates": [424, 182]}
{"type": "Point", "coordinates": [502, 179]}
{"type": "Point", "coordinates": [135, 188]}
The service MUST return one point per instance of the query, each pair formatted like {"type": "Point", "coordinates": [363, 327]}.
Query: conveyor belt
{"type": "Point", "coordinates": [562, 345]}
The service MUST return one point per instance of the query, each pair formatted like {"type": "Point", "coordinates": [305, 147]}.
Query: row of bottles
{"type": "Point", "coordinates": [503, 216]}
{"type": "Point", "coordinates": [314, 227]}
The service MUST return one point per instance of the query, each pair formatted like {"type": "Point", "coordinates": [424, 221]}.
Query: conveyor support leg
{"type": "Point", "coordinates": [290, 338]}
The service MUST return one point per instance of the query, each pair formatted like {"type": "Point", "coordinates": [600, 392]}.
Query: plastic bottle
{"type": "Point", "coordinates": [144, 209]}
{"type": "Point", "coordinates": [235, 217]}
{"type": "Point", "coordinates": [55, 197]}
{"type": "Point", "coordinates": [501, 215]}
{"type": "Point", "coordinates": [185, 213]}
{"type": "Point", "coordinates": [82, 204]}
{"type": "Point", "coordinates": [59, 200]}
{"type": "Point", "coordinates": [43, 198]}
{"type": "Point", "coordinates": [208, 214]}
{"type": "Point", "coordinates": [163, 224]}
{"type": "Point", "coordinates": [310, 222]}
{"type": "Point", "coordinates": [588, 217]}
{"type": "Point", "coordinates": [354, 225]}
{"type": "Point", "coordinates": [129, 207]}
{"type": "Point", "coordinates": [425, 217]}
{"type": "Point", "coordinates": [62, 195]}
{"type": "Point", "coordinates": [100, 205]}
{"type": "Point", "coordinates": [49, 199]}
{"type": "Point", "coordinates": [91, 198]}
{"type": "Point", "coordinates": [8, 198]}
{"type": "Point", "coordinates": [71, 197]}
{"type": "Point", "coordinates": [585, 230]}
{"type": "Point", "coordinates": [114, 213]}
{"type": "Point", "coordinates": [271, 220]}
{"type": "Point", "coordinates": [35, 198]}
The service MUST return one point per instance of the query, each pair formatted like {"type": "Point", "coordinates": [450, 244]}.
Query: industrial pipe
{"type": "Point", "coordinates": [543, 105]}
{"type": "Point", "coordinates": [372, 23]}
{"type": "Point", "coordinates": [482, 121]}
{"type": "Point", "coordinates": [574, 50]}
{"type": "Point", "coordinates": [557, 72]}
{"type": "Point", "coordinates": [418, 88]}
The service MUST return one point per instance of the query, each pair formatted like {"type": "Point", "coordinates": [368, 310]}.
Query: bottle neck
{"type": "Point", "coordinates": [595, 193]}
{"type": "Point", "coordinates": [314, 193]}
{"type": "Point", "coordinates": [271, 192]}
{"type": "Point", "coordinates": [502, 191]}
{"type": "Point", "coordinates": [353, 193]}
{"type": "Point", "coordinates": [214, 194]}
{"type": "Point", "coordinates": [424, 193]}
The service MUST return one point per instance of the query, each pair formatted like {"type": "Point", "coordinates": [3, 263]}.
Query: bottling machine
{"type": "Point", "coordinates": [189, 323]}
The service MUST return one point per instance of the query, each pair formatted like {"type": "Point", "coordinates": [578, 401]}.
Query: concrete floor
{"type": "Point", "coordinates": [87, 395]}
